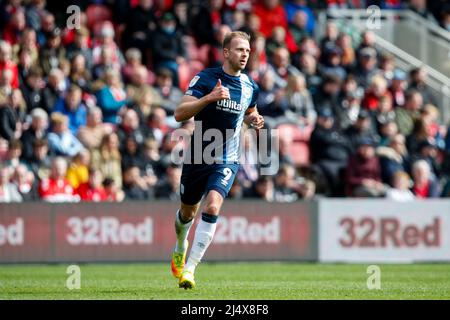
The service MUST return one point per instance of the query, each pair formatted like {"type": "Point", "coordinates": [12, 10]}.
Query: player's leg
{"type": "Point", "coordinates": [218, 185]}
{"type": "Point", "coordinates": [183, 223]}
{"type": "Point", "coordinates": [204, 234]}
{"type": "Point", "coordinates": [192, 186]}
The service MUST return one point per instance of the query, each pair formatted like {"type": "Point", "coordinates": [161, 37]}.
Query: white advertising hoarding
{"type": "Point", "coordinates": [367, 231]}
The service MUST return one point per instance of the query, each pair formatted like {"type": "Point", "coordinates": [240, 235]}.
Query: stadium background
{"type": "Point", "coordinates": [100, 100]}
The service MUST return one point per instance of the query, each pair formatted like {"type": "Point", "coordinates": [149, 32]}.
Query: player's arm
{"type": "Point", "coordinates": [190, 105]}
{"type": "Point", "coordinates": [253, 118]}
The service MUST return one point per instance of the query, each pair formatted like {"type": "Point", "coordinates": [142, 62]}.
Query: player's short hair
{"type": "Point", "coordinates": [235, 34]}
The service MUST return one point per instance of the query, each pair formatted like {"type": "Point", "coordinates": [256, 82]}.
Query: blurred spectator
{"type": "Point", "coordinates": [157, 124]}
{"type": "Point", "coordinates": [348, 111]}
{"type": "Point", "coordinates": [409, 113]}
{"type": "Point", "coordinates": [12, 116]}
{"type": "Point", "coordinates": [167, 47]}
{"type": "Point", "coordinates": [135, 186]}
{"type": "Point", "coordinates": [34, 11]}
{"type": "Point", "coordinates": [53, 52]}
{"type": "Point", "coordinates": [93, 190]}
{"type": "Point", "coordinates": [92, 133]}
{"type": "Point", "coordinates": [131, 153]}
{"type": "Point", "coordinates": [376, 91]}
{"type": "Point", "coordinates": [56, 188]}
{"type": "Point", "coordinates": [61, 141]}
{"type": "Point", "coordinates": [7, 64]}
{"type": "Point", "coordinates": [329, 151]}
{"type": "Point", "coordinates": [327, 97]}
{"type": "Point", "coordinates": [169, 186]}
{"type": "Point", "coordinates": [368, 40]}
{"type": "Point", "coordinates": [362, 128]}
{"type": "Point", "coordinates": [73, 107]}
{"type": "Point", "coordinates": [105, 50]}
{"type": "Point", "coordinates": [289, 188]}
{"type": "Point", "coordinates": [329, 39]}
{"type": "Point", "coordinates": [425, 184]}
{"type": "Point", "coordinates": [393, 158]}
{"type": "Point", "coordinates": [55, 89]}
{"type": "Point", "coordinates": [8, 190]}
{"type": "Point", "coordinates": [32, 90]}
{"type": "Point", "coordinates": [78, 171]}
{"type": "Point", "coordinates": [281, 64]}
{"type": "Point", "coordinates": [133, 62]}
{"type": "Point", "coordinates": [40, 160]}
{"type": "Point", "coordinates": [297, 103]}
{"type": "Point", "coordinates": [263, 189]}
{"type": "Point", "coordinates": [80, 46]}
{"type": "Point", "coordinates": [170, 94]}
{"type": "Point", "coordinates": [139, 86]}
{"type": "Point", "coordinates": [295, 7]}
{"type": "Point", "coordinates": [332, 63]}
{"type": "Point", "coordinates": [37, 130]}
{"type": "Point", "coordinates": [28, 43]}
{"type": "Point", "coordinates": [107, 158]}
{"type": "Point", "coordinates": [366, 67]}
{"type": "Point", "coordinates": [398, 88]}
{"type": "Point", "coordinates": [298, 26]}
{"type": "Point", "coordinates": [47, 27]}
{"type": "Point", "coordinates": [15, 26]}
{"type": "Point", "coordinates": [420, 7]}
{"type": "Point", "coordinates": [130, 127]}
{"type": "Point", "coordinates": [400, 188]}
{"type": "Point", "coordinates": [111, 98]}
{"type": "Point", "coordinates": [14, 154]}
{"type": "Point", "coordinates": [113, 192]}
{"type": "Point", "coordinates": [26, 183]}
{"type": "Point", "coordinates": [363, 174]}
{"type": "Point", "coordinates": [273, 15]}
{"type": "Point", "coordinates": [387, 131]}
{"type": "Point", "coordinates": [308, 66]}
{"type": "Point", "coordinates": [419, 77]}
{"type": "Point", "coordinates": [276, 40]}
{"type": "Point", "coordinates": [79, 74]}
{"type": "Point", "coordinates": [139, 24]}
{"type": "Point", "coordinates": [348, 58]}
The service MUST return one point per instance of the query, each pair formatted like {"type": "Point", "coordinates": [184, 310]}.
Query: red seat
{"type": "Point", "coordinates": [296, 141]}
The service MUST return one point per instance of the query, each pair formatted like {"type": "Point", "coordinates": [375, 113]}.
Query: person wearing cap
{"type": "Point", "coordinates": [363, 174]}
{"type": "Point", "coordinates": [367, 66]}
{"type": "Point", "coordinates": [332, 62]}
{"type": "Point", "coordinates": [168, 49]}
{"type": "Point", "coordinates": [329, 151]}
{"type": "Point", "coordinates": [362, 128]}
{"type": "Point", "coordinates": [398, 87]}
{"type": "Point", "coordinates": [53, 52]}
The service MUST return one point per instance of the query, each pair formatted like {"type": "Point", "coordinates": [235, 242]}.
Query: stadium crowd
{"type": "Point", "coordinates": [86, 114]}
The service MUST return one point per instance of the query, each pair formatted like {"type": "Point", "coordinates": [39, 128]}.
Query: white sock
{"type": "Point", "coordinates": [203, 237]}
{"type": "Point", "coordinates": [182, 232]}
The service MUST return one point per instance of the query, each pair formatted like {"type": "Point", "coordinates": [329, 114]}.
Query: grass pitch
{"type": "Point", "coordinates": [225, 281]}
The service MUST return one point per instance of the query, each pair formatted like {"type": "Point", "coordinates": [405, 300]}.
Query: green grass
{"type": "Point", "coordinates": [227, 281]}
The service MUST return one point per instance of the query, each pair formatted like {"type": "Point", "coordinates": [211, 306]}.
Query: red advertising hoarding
{"type": "Point", "coordinates": [138, 231]}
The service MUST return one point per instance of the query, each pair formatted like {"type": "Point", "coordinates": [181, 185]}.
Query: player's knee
{"type": "Point", "coordinates": [212, 208]}
{"type": "Point", "coordinates": [188, 214]}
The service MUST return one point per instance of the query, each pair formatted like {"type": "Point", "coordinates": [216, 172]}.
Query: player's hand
{"type": "Point", "coordinates": [256, 121]}
{"type": "Point", "coordinates": [219, 92]}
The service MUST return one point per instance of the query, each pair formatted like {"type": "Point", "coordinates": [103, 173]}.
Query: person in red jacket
{"type": "Point", "coordinates": [56, 188]}
{"type": "Point", "coordinates": [7, 64]}
{"type": "Point", "coordinates": [93, 190]}
{"type": "Point", "coordinates": [364, 172]}
{"type": "Point", "coordinates": [272, 13]}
